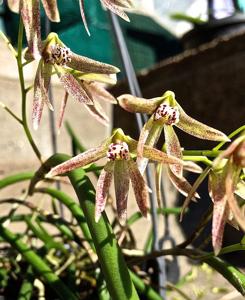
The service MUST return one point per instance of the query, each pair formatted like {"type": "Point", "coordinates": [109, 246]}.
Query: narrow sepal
{"type": "Point", "coordinates": [102, 189]}
{"type": "Point", "coordinates": [143, 137]}
{"type": "Point", "coordinates": [192, 167]}
{"type": "Point", "coordinates": [41, 85]}
{"type": "Point", "coordinates": [173, 148]}
{"type": "Point", "coordinates": [220, 209]}
{"type": "Point", "coordinates": [74, 88]}
{"type": "Point", "coordinates": [158, 177]}
{"type": "Point", "coordinates": [85, 64]}
{"type": "Point", "coordinates": [51, 10]}
{"type": "Point", "coordinates": [99, 92]}
{"type": "Point", "coordinates": [192, 192]}
{"type": "Point", "coordinates": [198, 129]}
{"type": "Point", "coordinates": [98, 113]}
{"type": "Point", "coordinates": [139, 186]}
{"type": "Point", "coordinates": [159, 156]}
{"type": "Point", "coordinates": [80, 160]}
{"type": "Point", "coordinates": [139, 105]}
{"type": "Point", "coordinates": [82, 11]}
{"type": "Point", "coordinates": [62, 110]}
{"type": "Point", "coordinates": [149, 136]}
{"type": "Point", "coordinates": [181, 184]}
{"type": "Point", "coordinates": [121, 181]}
{"type": "Point", "coordinates": [115, 9]}
{"type": "Point", "coordinates": [30, 13]}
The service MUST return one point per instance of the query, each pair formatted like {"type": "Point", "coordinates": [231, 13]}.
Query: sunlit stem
{"type": "Point", "coordinates": [24, 92]}
{"type": "Point", "coordinates": [234, 133]}
{"type": "Point", "coordinates": [11, 113]}
{"type": "Point", "coordinates": [197, 158]}
{"type": "Point", "coordinates": [6, 40]}
{"type": "Point", "coordinates": [209, 153]}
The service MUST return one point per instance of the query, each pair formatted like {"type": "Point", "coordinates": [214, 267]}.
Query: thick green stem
{"type": "Point", "coordinates": [15, 178]}
{"type": "Point", "coordinates": [23, 92]}
{"type": "Point", "coordinates": [114, 268]}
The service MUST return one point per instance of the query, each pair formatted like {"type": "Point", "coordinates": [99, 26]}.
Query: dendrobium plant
{"type": "Point", "coordinates": [116, 6]}
{"type": "Point", "coordinates": [73, 71]}
{"type": "Point", "coordinates": [165, 113]}
{"type": "Point", "coordinates": [224, 183]}
{"type": "Point", "coordinates": [120, 151]}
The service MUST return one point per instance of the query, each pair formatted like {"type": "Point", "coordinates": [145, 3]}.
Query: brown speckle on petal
{"type": "Point", "coordinates": [102, 189]}
{"type": "Point", "coordinates": [139, 186]}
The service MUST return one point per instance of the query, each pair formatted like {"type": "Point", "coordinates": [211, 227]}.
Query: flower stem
{"type": "Point", "coordinates": [11, 113]}
{"type": "Point", "coordinates": [209, 153]}
{"type": "Point", "coordinates": [24, 92]}
{"type": "Point", "coordinates": [198, 158]}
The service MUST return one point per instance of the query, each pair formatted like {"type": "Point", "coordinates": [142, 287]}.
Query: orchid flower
{"type": "Point", "coordinates": [119, 150]}
{"type": "Point", "coordinates": [116, 6]}
{"type": "Point", "coordinates": [165, 114]}
{"type": "Point", "coordinates": [223, 182]}
{"type": "Point", "coordinates": [70, 68]}
{"type": "Point", "coordinates": [30, 14]}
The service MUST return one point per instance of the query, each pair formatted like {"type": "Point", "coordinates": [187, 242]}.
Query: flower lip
{"type": "Point", "coordinates": [118, 151]}
{"type": "Point", "coordinates": [59, 55]}
{"type": "Point", "coordinates": [169, 114]}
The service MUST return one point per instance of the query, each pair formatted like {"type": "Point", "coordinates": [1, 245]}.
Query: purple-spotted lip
{"type": "Point", "coordinates": [171, 114]}
{"type": "Point", "coordinates": [118, 151]}
{"type": "Point", "coordinates": [59, 55]}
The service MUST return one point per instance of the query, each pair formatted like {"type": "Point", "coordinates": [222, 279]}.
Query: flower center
{"type": "Point", "coordinates": [169, 113]}
{"type": "Point", "coordinates": [59, 55]}
{"type": "Point", "coordinates": [118, 151]}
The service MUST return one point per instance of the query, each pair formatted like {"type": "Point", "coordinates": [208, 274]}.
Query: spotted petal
{"type": "Point", "coordinates": [139, 105]}
{"type": "Point", "coordinates": [81, 3]}
{"type": "Point", "coordinates": [121, 181]}
{"type": "Point", "coordinates": [62, 109]}
{"type": "Point", "coordinates": [98, 113]}
{"type": "Point", "coordinates": [220, 210]}
{"type": "Point", "coordinates": [74, 88]}
{"type": "Point", "coordinates": [102, 189]}
{"type": "Point", "coordinates": [173, 148]}
{"type": "Point", "coordinates": [149, 136]}
{"type": "Point", "coordinates": [159, 156]}
{"type": "Point", "coordinates": [98, 92]}
{"type": "Point", "coordinates": [199, 129]}
{"type": "Point", "coordinates": [181, 184]}
{"type": "Point", "coordinates": [139, 186]}
{"type": "Point", "coordinates": [41, 85]}
{"type": "Point", "coordinates": [80, 160]}
{"type": "Point", "coordinates": [110, 4]}
{"type": "Point", "coordinates": [51, 9]}
{"type": "Point", "coordinates": [85, 64]}
{"type": "Point", "coordinates": [30, 13]}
